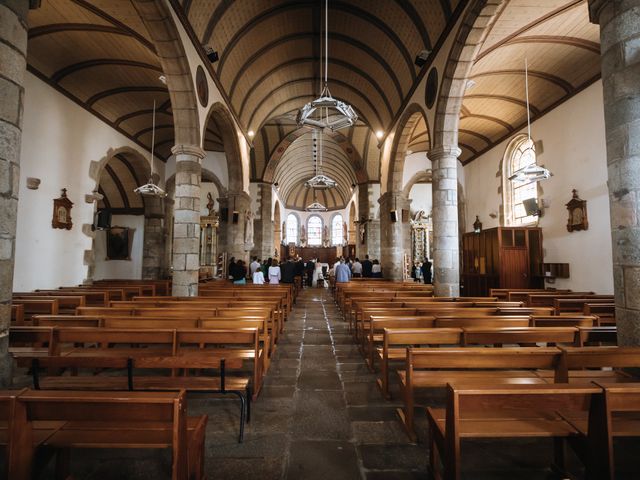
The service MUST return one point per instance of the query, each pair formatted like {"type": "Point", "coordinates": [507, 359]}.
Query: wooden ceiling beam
{"type": "Point", "coordinates": [505, 98]}
{"type": "Point", "coordinates": [120, 90]}
{"type": "Point", "coordinates": [332, 61]}
{"type": "Point", "coordinates": [137, 113]}
{"type": "Point", "coordinates": [576, 42]}
{"type": "Point", "coordinates": [118, 184]}
{"type": "Point", "coordinates": [370, 51]}
{"type": "Point", "coordinates": [560, 82]}
{"type": "Point", "coordinates": [342, 7]}
{"type": "Point", "coordinates": [486, 140]}
{"type": "Point", "coordinates": [99, 62]}
{"type": "Point", "coordinates": [507, 126]}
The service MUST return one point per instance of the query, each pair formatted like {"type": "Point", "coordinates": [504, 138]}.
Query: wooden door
{"type": "Point", "coordinates": [514, 268]}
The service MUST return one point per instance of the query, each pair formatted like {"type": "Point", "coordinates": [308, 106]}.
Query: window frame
{"type": "Point", "coordinates": [309, 237]}
{"type": "Point", "coordinates": [297, 229]}
{"type": "Point", "coordinates": [517, 148]}
{"type": "Point", "coordinates": [341, 226]}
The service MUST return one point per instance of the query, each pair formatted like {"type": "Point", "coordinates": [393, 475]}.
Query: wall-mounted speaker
{"type": "Point", "coordinates": [531, 207]}
{"type": "Point", "coordinates": [224, 214]}
{"type": "Point", "coordinates": [236, 217]}
{"type": "Point", "coordinates": [102, 220]}
{"type": "Point", "coordinates": [393, 215]}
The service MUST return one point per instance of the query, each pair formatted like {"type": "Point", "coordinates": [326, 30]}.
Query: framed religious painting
{"type": "Point", "coordinates": [119, 241]}
{"type": "Point", "coordinates": [577, 213]}
{"type": "Point", "coordinates": [62, 212]}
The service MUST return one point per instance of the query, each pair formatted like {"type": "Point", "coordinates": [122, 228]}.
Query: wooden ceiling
{"type": "Point", "coordinates": [121, 175]}
{"type": "Point", "coordinates": [270, 51]}
{"type": "Point", "coordinates": [292, 172]}
{"type": "Point", "coordinates": [98, 53]}
{"type": "Point", "coordinates": [563, 53]}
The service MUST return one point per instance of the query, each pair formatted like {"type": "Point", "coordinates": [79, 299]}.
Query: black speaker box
{"type": "Point", "coordinates": [531, 206]}
{"type": "Point", "coordinates": [103, 220]}
{"type": "Point", "coordinates": [393, 215]}
{"type": "Point", "coordinates": [236, 217]}
{"type": "Point", "coordinates": [224, 214]}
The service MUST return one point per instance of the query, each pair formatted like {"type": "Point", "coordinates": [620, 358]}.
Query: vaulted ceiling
{"type": "Point", "coordinates": [121, 175]}
{"type": "Point", "coordinates": [563, 53]}
{"type": "Point", "coordinates": [270, 51]}
{"type": "Point", "coordinates": [98, 53]}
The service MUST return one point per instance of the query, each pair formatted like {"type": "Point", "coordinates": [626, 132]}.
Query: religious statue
{"type": "Point", "coordinates": [248, 230]}
{"type": "Point", "coordinates": [362, 230]}
{"type": "Point", "coordinates": [325, 236]}
{"type": "Point", "coordinates": [303, 236]}
{"type": "Point", "coordinates": [344, 232]}
{"type": "Point", "coordinates": [210, 204]}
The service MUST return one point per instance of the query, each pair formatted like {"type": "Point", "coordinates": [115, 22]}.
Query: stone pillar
{"type": "Point", "coordinates": [13, 48]}
{"type": "Point", "coordinates": [395, 240]}
{"type": "Point", "coordinates": [232, 233]}
{"type": "Point", "coordinates": [186, 220]}
{"type": "Point", "coordinates": [620, 47]}
{"type": "Point", "coordinates": [263, 240]}
{"type": "Point", "coordinates": [446, 261]}
{"type": "Point", "coordinates": [153, 247]}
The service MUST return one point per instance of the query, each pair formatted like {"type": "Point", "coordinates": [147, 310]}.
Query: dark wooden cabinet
{"type": "Point", "coordinates": [501, 257]}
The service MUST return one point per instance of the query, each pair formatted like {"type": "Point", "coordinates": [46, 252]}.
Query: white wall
{"type": "Point", "coordinates": [59, 140]}
{"type": "Point", "coordinates": [574, 150]}
{"type": "Point", "coordinates": [130, 269]}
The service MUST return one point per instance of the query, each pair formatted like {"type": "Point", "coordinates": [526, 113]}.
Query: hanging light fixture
{"type": "Point", "coordinates": [150, 188]}
{"type": "Point", "coordinates": [316, 113]}
{"type": "Point", "coordinates": [533, 172]}
{"type": "Point", "coordinates": [319, 180]}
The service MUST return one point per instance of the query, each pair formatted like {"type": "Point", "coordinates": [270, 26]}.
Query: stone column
{"type": "Point", "coordinates": [153, 247]}
{"type": "Point", "coordinates": [263, 241]}
{"type": "Point", "coordinates": [394, 235]}
{"type": "Point", "coordinates": [620, 47]}
{"type": "Point", "coordinates": [232, 233]}
{"type": "Point", "coordinates": [446, 261]}
{"type": "Point", "coordinates": [186, 220]}
{"type": "Point", "coordinates": [13, 48]}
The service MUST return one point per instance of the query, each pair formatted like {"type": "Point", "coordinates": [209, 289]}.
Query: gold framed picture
{"type": "Point", "coordinates": [62, 212]}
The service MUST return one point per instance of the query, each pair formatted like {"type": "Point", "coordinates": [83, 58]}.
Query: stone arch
{"type": "Point", "coordinates": [407, 123]}
{"type": "Point", "coordinates": [421, 176]}
{"type": "Point", "coordinates": [209, 176]}
{"type": "Point", "coordinates": [478, 20]}
{"type": "Point", "coordinates": [220, 115]}
{"type": "Point", "coordinates": [173, 59]}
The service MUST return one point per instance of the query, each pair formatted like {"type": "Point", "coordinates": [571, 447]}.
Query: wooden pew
{"type": "Point", "coordinates": [17, 314]}
{"type": "Point", "coordinates": [563, 321]}
{"type": "Point", "coordinates": [503, 411]}
{"type": "Point", "coordinates": [604, 364]}
{"type": "Point", "coordinates": [606, 312]}
{"type": "Point", "coordinates": [395, 343]}
{"type": "Point", "coordinates": [615, 413]}
{"type": "Point", "coordinates": [102, 420]}
{"type": "Point", "coordinates": [591, 336]}
{"type": "Point", "coordinates": [576, 305]}
{"type": "Point", "coordinates": [522, 336]}
{"type": "Point", "coordinates": [37, 306]}
{"type": "Point", "coordinates": [480, 321]}
{"type": "Point", "coordinates": [435, 367]}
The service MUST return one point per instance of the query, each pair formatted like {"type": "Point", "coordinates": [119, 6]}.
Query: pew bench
{"type": "Point", "coordinates": [504, 411]}
{"type": "Point", "coordinates": [155, 420]}
{"type": "Point", "coordinates": [436, 367]}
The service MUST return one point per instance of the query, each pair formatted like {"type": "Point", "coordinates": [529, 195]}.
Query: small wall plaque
{"type": "Point", "coordinates": [62, 212]}
{"type": "Point", "coordinates": [577, 213]}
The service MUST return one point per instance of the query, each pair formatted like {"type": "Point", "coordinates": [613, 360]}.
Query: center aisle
{"type": "Point", "coordinates": [319, 415]}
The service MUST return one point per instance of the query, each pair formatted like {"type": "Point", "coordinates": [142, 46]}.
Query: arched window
{"type": "Point", "coordinates": [292, 228]}
{"type": "Point", "coordinates": [337, 230]}
{"type": "Point", "coordinates": [520, 153]}
{"type": "Point", "coordinates": [314, 230]}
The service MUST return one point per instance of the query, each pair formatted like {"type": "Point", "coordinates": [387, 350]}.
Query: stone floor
{"type": "Point", "coordinates": [320, 416]}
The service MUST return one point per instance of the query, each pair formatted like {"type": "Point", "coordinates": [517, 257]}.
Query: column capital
{"type": "Point", "coordinates": [595, 9]}
{"type": "Point", "coordinates": [192, 150]}
{"type": "Point", "coordinates": [443, 151]}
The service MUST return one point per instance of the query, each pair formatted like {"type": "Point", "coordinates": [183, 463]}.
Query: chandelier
{"type": "Point", "coordinates": [317, 112]}
{"type": "Point", "coordinates": [319, 181]}
{"type": "Point", "coordinates": [316, 207]}
{"type": "Point", "coordinates": [150, 189]}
